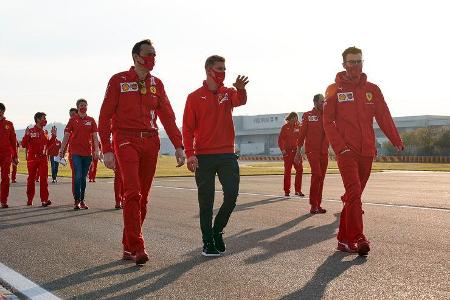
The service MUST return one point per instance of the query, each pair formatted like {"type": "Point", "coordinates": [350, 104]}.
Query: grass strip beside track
{"type": "Point", "coordinates": [166, 168]}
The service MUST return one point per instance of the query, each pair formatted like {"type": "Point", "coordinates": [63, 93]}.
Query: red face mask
{"type": "Point", "coordinates": [219, 77]}
{"type": "Point", "coordinates": [83, 110]}
{"type": "Point", "coordinates": [354, 71]}
{"type": "Point", "coordinates": [149, 62]}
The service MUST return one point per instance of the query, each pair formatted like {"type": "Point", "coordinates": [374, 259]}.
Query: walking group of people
{"type": "Point", "coordinates": [130, 144]}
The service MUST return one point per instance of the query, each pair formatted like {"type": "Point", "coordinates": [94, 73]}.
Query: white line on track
{"type": "Point", "coordinates": [23, 286]}
{"type": "Point", "coordinates": [328, 200]}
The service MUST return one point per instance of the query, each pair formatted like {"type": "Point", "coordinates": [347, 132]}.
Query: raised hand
{"type": "Point", "coordinates": [53, 130]}
{"type": "Point", "coordinates": [241, 82]}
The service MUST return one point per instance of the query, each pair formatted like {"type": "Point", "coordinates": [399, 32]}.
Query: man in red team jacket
{"type": "Point", "coordinates": [81, 130]}
{"type": "Point", "coordinates": [208, 135]}
{"type": "Point", "coordinates": [288, 141]}
{"type": "Point", "coordinates": [37, 143]}
{"type": "Point", "coordinates": [53, 151]}
{"type": "Point", "coordinates": [350, 106]}
{"type": "Point", "coordinates": [133, 101]}
{"type": "Point", "coordinates": [8, 154]}
{"type": "Point", "coordinates": [316, 150]}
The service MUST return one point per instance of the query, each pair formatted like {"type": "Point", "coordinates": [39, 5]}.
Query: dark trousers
{"type": "Point", "coordinates": [81, 167]}
{"type": "Point", "coordinates": [54, 166]}
{"type": "Point", "coordinates": [227, 169]}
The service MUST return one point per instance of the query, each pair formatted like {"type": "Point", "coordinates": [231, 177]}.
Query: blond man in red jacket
{"type": "Point", "coordinates": [288, 141]}
{"type": "Point", "coordinates": [316, 150]}
{"type": "Point", "coordinates": [133, 102]}
{"type": "Point", "coordinates": [208, 135]}
{"type": "Point", "coordinates": [350, 106]}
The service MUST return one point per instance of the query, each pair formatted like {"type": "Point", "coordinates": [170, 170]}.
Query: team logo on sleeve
{"type": "Point", "coordinates": [128, 87]}
{"type": "Point", "coordinates": [369, 96]}
{"type": "Point", "coordinates": [313, 118]}
{"type": "Point", "coordinates": [153, 89]}
{"type": "Point", "coordinates": [345, 97]}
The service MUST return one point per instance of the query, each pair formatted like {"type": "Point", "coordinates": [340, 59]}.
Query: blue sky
{"type": "Point", "coordinates": [54, 52]}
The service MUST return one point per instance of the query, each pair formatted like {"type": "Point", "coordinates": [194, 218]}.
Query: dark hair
{"type": "Point", "coordinates": [291, 116]}
{"type": "Point", "coordinates": [137, 47]}
{"type": "Point", "coordinates": [318, 97]}
{"type": "Point", "coordinates": [73, 109]}
{"type": "Point", "coordinates": [38, 116]}
{"type": "Point", "coordinates": [210, 61]}
{"type": "Point", "coordinates": [350, 50]}
{"type": "Point", "coordinates": [81, 100]}
{"type": "Point", "coordinates": [2, 107]}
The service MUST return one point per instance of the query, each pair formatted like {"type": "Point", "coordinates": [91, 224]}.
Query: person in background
{"type": "Point", "coordinates": [288, 141]}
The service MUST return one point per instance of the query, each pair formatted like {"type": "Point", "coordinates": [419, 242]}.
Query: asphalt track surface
{"type": "Point", "coordinates": [275, 248]}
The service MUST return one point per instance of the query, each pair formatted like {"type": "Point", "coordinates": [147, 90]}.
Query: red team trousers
{"type": "Point", "coordinates": [118, 185]}
{"type": "Point", "coordinates": [355, 171]}
{"type": "Point", "coordinates": [5, 165]}
{"type": "Point", "coordinates": [40, 166]}
{"type": "Point", "coordinates": [288, 163]}
{"type": "Point", "coordinates": [318, 163]}
{"type": "Point", "coordinates": [137, 159]}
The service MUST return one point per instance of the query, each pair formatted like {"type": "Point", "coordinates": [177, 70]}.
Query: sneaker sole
{"type": "Point", "coordinates": [210, 255]}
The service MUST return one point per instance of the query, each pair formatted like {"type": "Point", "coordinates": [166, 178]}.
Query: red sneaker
{"type": "Point", "coordinates": [76, 205]}
{"type": "Point", "coordinates": [83, 205]}
{"type": "Point", "coordinates": [47, 203]}
{"type": "Point", "coordinates": [318, 210]}
{"type": "Point", "coordinates": [363, 246]}
{"type": "Point", "coordinates": [346, 247]}
{"type": "Point", "coordinates": [141, 257]}
{"type": "Point", "coordinates": [128, 256]}
{"type": "Point", "coordinates": [4, 205]}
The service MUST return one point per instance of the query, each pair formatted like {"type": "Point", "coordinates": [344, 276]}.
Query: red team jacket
{"type": "Point", "coordinates": [8, 140]}
{"type": "Point", "coordinates": [348, 115]}
{"type": "Point", "coordinates": [132, 111]}
{"type": "Point", "coordinates": [289, 136]}
{"type": "Point", "coordinates": [312, 133]}
{"type": "Point", "coordinates": [53, 150]}
{"type": "Point", "coordinates": [208, 122]}
{"type": "Point", "coordinates": [37, 143]}
{"type": "Point", "coordinates": [81, 130]}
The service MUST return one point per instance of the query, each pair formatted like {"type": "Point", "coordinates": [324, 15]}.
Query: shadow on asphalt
{"type": "Point", "coordinates": [238, 243]}
{"type": "Point", "coordinates": [331, 269]}
{"type": "Point", "coordinates": [250, 205]}
{"type": "Point", "coordinates": [50, 213]}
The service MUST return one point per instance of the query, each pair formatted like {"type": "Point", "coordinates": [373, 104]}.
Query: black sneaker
{"type": "Point", "coordinates": [219, 243]}
{"type": "Point", "coordinates": [210, 250]}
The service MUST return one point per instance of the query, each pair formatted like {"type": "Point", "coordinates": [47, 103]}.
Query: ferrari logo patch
{"type": "Point", "coordinates": [153, 89]}
{"type": "Point", "coordinates": [369, 96]}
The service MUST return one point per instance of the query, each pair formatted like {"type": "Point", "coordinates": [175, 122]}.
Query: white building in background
{"type": "Point", "coordinates": [258, 135]}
